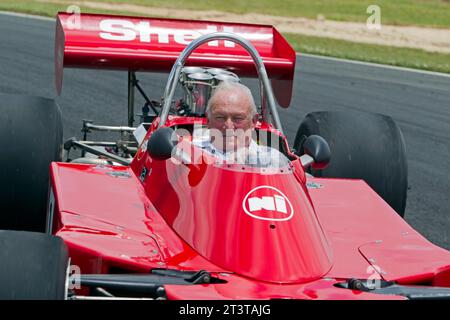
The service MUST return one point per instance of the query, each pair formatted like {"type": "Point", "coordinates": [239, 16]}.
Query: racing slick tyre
{"type": "Point", "coordinates": [30, 139]}
{"type": "Point", "coordinates": [364, 146]}
{"type": "Point", "coordinates": [32, 266]}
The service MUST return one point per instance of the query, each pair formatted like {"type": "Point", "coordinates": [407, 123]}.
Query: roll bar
{"type": "Point", "coordinates": [266, 88]}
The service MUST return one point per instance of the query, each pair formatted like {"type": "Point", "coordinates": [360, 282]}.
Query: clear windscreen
{"type": "Point", "coordinates": [250, 152]}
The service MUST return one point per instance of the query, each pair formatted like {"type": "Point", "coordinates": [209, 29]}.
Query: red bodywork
{"type": "Point", "coordinates": [114, 219]}
{"type": "Point", "coordinates": [185, 219]}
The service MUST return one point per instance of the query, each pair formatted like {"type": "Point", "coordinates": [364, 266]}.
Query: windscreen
{"type": "Point", "coordinates": [252, 150]}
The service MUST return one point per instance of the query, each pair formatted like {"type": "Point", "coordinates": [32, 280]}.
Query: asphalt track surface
{"type": "Point", "coordinates": [418, 102]}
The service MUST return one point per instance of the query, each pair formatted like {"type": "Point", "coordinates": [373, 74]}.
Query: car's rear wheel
{"type": "Point", "coordinates": [32, 266]}
{"type": "Point", "coordinates": [364, 146]}
{"type": "Point", "coordinates": [30, 139]}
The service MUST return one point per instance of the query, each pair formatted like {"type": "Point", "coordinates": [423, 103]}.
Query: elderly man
{"type": "Point", "coordinates": [231, 119]}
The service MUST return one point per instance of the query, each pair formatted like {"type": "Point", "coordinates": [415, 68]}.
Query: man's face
{"type": "Point", "coordinates": [231, 115]}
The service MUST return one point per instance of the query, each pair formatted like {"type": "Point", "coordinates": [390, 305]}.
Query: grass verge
{"type": "Point", "coordinates": [402, 57]}
{"type": "Point", "coordinates": [434, 13]}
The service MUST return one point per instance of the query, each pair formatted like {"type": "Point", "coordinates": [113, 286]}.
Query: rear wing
{"type": "Point", "coordinates": [153, 44]}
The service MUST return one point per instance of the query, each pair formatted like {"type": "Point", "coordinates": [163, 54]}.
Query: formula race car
{"type": "Point", "coordinates": [140, 217]}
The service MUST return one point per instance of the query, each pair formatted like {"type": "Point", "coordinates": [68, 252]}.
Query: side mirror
{"type": "Point", "coordinates": [317, 152]}
{"type": "Point", "coordinates": [161, 143]}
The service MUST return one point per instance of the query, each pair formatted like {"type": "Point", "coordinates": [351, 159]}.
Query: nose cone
{"type": "Point", "coordinates": [261, 226]}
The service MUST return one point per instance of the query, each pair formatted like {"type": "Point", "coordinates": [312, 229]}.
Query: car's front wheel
{"type": "Point", "coordinates": [33, 266]}
{"type": "Point", "coordinates": [30, 139]}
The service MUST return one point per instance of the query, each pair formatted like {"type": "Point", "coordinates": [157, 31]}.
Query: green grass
{"type": "Point", "coordinates": [398, 12]}
{"type": "Point", "coordinates": [405, 57]}
{"type": "Point", "coordinates": [43, 9]}
{"type": "Point", "coordinates": [435, 13]}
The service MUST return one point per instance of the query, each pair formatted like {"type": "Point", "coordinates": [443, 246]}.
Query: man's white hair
{"type": "Point", "coordinates": [231, 88]}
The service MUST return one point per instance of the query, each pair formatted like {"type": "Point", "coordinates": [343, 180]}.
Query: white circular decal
{"type": "Point", "coordinates": [267, 203]}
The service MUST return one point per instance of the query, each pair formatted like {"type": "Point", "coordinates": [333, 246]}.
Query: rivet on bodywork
{"type": "Point", "coordinates": [160, 291]}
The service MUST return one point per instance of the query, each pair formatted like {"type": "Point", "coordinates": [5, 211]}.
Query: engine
{"type": "Point", "coordinates": [198, 83]}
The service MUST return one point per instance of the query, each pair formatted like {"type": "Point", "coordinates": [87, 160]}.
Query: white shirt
{"type": "Point", "coordinates": [254, 155]}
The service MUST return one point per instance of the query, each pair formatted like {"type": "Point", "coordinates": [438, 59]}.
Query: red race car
{"type": "Point", "coordinates": [153, 215]}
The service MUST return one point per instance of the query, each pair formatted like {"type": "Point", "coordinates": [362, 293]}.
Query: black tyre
{"type": "Point", "coordinates": [30, 139]}
{"type": "Point", "coordinates": [364, 146]}
{"type": "Point", "coordinates": [32, 266]}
